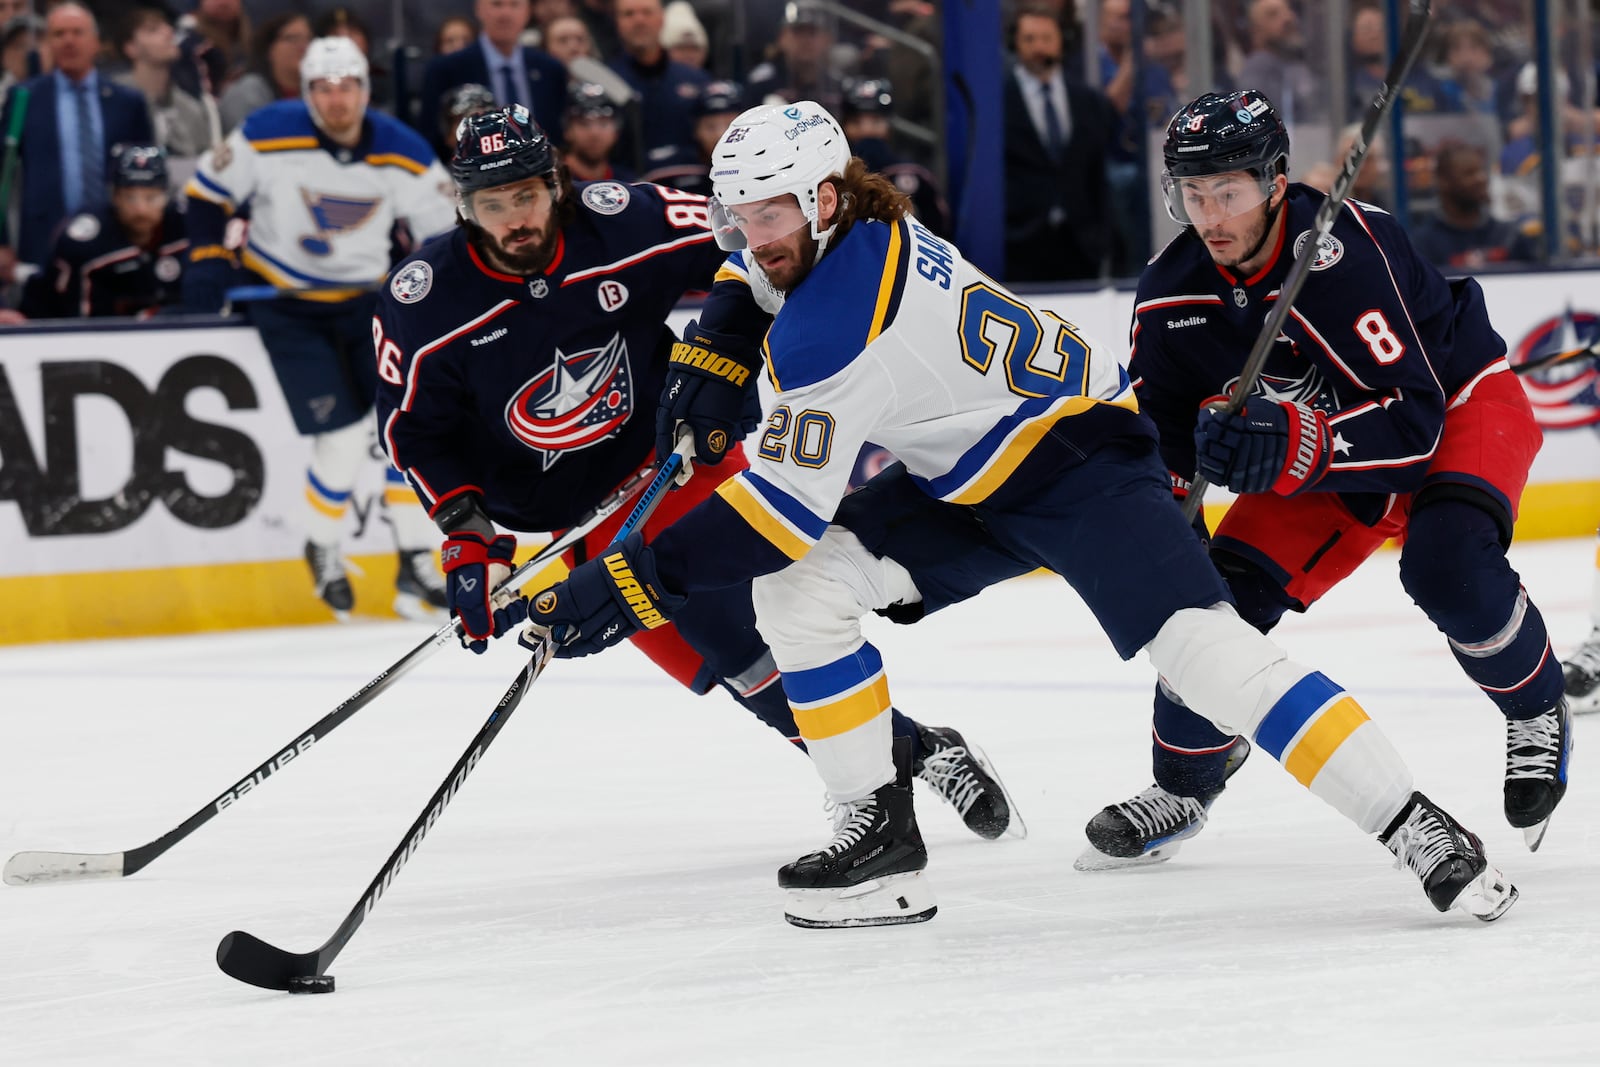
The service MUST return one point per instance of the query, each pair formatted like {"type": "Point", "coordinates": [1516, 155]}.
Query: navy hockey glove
{"type": "Point", "coordinates": [473, 565]}
{"type": "Point", "coordinates": [205, 284]}
{"type": "Point", "coordinates": [1271, 446]}
{"type": "Point", "coordinates": [711, 392]}
{"type": "Point", "coordinates": [605, 601]}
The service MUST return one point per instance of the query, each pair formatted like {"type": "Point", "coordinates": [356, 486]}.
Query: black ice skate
{"type": "Point", "coordinates": [870, 874]}
{"type": "Point", "coordinates": [419, 587]}
{"type": "Point", "coordinates": [964, 778]}
{"type": "Point", "coordinates": [1449, 860]}
{"type": "Point", "coordinates": [1537, 752]}
{"type": "Point", "coordinates": [1150, 827]}
{"type": "Point", "coordinates": [329, 578]}
{"type": "Point", "coordinates": [1581, 672]}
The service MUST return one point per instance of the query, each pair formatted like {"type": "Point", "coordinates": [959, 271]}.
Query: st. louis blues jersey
{"type": "Point", "coordinates": [540, 393]}
{"type": "Point", "coordinates": [1377, 339]}
{"type": "Point", "coordinates": [894, 337]}
{"type": "Point", "coordinates": [320, 213]}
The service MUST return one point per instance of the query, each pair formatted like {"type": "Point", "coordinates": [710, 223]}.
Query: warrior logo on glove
{"type": "Point", "coordinates": [546, 602]}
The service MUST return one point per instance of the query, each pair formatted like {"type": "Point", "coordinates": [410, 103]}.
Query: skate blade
{"type": "Point", "coordinates": [1584, 704]}
{"type": "Point", "coordinates": [417, 609]}
{"type": "Point", "coordinates": [1488, 896]}
{"type": "Point", "coordinates": [893, 900]}
{"type": "Point", "coordinates": [1092, 859]}
{"type": "Point", "coordinates": [1533, 836]}
{"type": "Point", "coordinates": [1015, 827]}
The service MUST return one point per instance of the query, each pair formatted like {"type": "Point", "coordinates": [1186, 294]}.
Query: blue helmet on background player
{"type": "Point", "coordinates": [1223, 133]}
{"type": "Point", "coordinates": [138, 165]}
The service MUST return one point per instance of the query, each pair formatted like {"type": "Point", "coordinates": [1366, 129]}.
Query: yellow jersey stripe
{"type": "Point", "coordinates": [394, 159]}
{"type": "Point", "coordinates": [209, 252]}
{"type": "Point", "coordinates": [886, 286]}
{"type": "Point", "coordinates": [725, 273]}
{"type": "Point", "coordinates": [1004, 463]}
{"type": "Point", "coordinates": [291, 288]}
{"type": "Point", "coordinates": [754, 511]}
{"type": "Point", "coordinates": [823, 721]}
{"type": "Point", "coordinates": [323, 506]}
{"type": "Point", "coordinates": [772, 372]}
{"type": "Point", "coordinates": [200, 192]}
{"type": "Point", "coordinates": [400, 494]}
{"type": "Point", "coordinates": [283, 144]}
{"type": "Point", "coordinates": [1322, 738]}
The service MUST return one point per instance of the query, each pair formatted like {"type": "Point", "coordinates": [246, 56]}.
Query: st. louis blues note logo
{"type": "Point", "coordinates": [331, 215]}
{"type": "Point", "coordinates": [582, 400]}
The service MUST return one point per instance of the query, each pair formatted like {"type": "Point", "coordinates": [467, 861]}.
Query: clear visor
{"type": "Point", "coordinates": [757, 224]}
{"type": "Point", "coordinates": [1214, 198]}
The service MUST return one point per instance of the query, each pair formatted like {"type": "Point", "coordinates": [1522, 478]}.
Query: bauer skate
{"type": "Point", "coordinates": [419, 587]}
{"type": "Point", "coordinates": [1581, 673]}
{"type": "Point", "coordinates": [329, 578]}
{"type": "Point", "coordinates": [870, 874]}
{"type": "Point", "coordinates": [1449, 861]}
{"type": "Point", "coordinates": [1150, 827]}
{"type": "Point", "coordinates": [1537, 752]}
{"type": "Point", "coordinates": [964, 778]}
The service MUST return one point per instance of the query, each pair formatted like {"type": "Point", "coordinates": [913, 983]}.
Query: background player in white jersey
{"type": "Point", "coordinates": [1022, 447]}
{"type": "Point", "coordinates": [1581, 670]}
{"type": "Point", "coordinates": [324, 180]}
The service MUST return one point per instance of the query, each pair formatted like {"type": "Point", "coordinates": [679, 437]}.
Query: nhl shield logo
{"type": "Point", "coordinates": [1329, 250]}
{"type": "Point", "coordinates": [412, 282]}
{"type": "Point", "coordinates": [606, 198]}
{"type": "Point", "coordinates": [1240, 298]}
{"type": "Point", "coordinates": [585, 398]}
{"type": "Point", "coordinates": [538, 288]}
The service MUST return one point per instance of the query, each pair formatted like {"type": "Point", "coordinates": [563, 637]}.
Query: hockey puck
{"type": "Point", "coordinates": [311, 983]}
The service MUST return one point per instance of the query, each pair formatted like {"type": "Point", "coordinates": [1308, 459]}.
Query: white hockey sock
{"type": "Point", "coordinates": [1594, 588]}
{"type": "Point", "coordinates": [413, 529]}
{"type": "Point", "coordinates": [336, 459]}
{"type": "Point", "coordinates": [842, 711]}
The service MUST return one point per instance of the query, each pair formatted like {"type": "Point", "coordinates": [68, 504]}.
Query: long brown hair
{"type": "Point", "coordinates": [866, 194]}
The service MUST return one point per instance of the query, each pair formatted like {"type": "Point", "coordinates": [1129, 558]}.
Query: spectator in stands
{"type": "Point", "coordinates": [214, 48]}
{"type": "Point", "coordinates": [591, 133]}
{"type": "Point", "coordinates": [1521, 159]}
{"type": "Point", "coordinates": [911, 72]}
{"type": "Point", "coordinates": [462, 102]}
{"type": "Point", "coordinates": [1462, 234]}
{"type": "Point", "coordinates": [1166, 48]}
{"type": "Point", "coordinates": [1276, 64]}
{"type": "Point", "coordinates": [123, 259]}
{"type": "Point", "coordinates": [1374, 181]}
{"type": "Point", "coordinates": [601, 18]}
{"type": "Point", "coordinates": [1469, 84]}
{"type": "Point", "coordinates": [799, 66]}
{"type": "Point", "coordinates": [668, 90]}
{"type": "Point", "coordinates": [274, 72]}
{"type": "Point", "coordinates": [514, 72]}
{"type": "Point", "coordinates": [454, 33]}
{"type": "Point", "coordinates": [868, 107]}
{"type": "Point", "coordinates": [683, 35]}
{"type": "Point", "coordinates": [21, 35]}
{"type": "Point", "coordinates": [73, 118]}
{"type": "Point", "coordinates": [568, 38]}
{"type": "Point", "coordinates": [1369, 62]}
{"type": "Point", "coordinates": [147, 39]}
{"type": "Point", "coordinates": [1125, 168]}
{"type": "Point", "coordinates": [1057, 134]}
{"type": "Point", "coordinates": [690, 169]}
{"type": "Point", "coordinates": [544, 12]}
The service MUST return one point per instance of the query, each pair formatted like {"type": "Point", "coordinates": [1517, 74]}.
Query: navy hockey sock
{"type": "Point", "coordinates": [1189, 754]}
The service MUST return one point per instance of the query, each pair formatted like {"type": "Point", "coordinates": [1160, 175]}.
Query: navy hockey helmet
{"type": "Point", "coordinates": [465, 100]}
{"type": "Point", "coordinates": [589, 100]}
{"type": "Point", "coordinates": [500, 147]}
{"type": "Point", "coordinates": [869, 96]}
{"type": "Point", "coordinates": [138, 165]}
{"type": "Point", "coordinates": [720, 98]}
{"type": "Point", "coordinates": [1223, 133]}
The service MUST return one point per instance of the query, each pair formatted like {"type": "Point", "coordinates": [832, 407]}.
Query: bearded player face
{"type": "Point", "coordinates": [517, 225]}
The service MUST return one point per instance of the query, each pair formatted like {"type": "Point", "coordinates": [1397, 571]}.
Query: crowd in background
{"type": "Point", "coordinates": [641, 89]}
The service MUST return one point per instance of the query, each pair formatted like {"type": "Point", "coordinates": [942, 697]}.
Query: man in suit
{"type": "Point", "coordinates": [669, 91]}
{"type": "Point", "coordinates": [1057, 134]}
{"type": "Point", "coordinates": [73, 119]}
{"type": "Point", "coordinates": [515, 73]}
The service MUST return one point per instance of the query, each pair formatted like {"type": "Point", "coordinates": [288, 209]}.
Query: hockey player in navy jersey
{"type": "Point", "coordinates": [325, 179]}
{"type": "Point", "coordinates": [126, 259]}
{"type": "Point", "coordinates": [520, 359]}
{"type": "Point", "coordinates": [1386, 409]}
{"type": "Point", "coordinates": [1021, 447]}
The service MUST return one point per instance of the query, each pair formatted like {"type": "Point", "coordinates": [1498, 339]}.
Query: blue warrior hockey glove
{"type": "Point", "coordinates": [1270, 446]}
{"type": "Point", "coordinates": [473, 565]}
{"type": "Point", "coordinates": [605, 601]}
{"type": "Point", "coordinates": [711, 392]}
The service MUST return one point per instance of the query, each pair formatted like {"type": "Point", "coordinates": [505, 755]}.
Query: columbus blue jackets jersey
{"type": "Point", "coordinates": [1377, 339]}
{"type": "Point", "coordinates": [95, 270]}
{"type": "Point", "coordinates": [540, 393]}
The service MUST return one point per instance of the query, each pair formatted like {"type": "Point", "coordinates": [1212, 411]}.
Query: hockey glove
{"type": "Point", "coordinates": [205, 284]}
{"type": "Point", "coordinates": [605, 601]}
{"type": "Point", "coordinates": [473, 565]}
{"type": "Point", "coordinates": [1269, 446]}
{"type": "Point", "coordinates": [711, 392]}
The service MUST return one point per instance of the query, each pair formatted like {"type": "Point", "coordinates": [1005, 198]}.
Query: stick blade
{"type": "Point", "coordinates": [254, 962]}
{"type": "Point", "coordinates": [42, 868]}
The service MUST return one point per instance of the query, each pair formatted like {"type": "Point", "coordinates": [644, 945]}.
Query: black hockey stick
{"type": "Point", "coordinates": [1557, 358]}
{"type": "Point", "coordinates": [34, 868]}
{"type": "Point", "coordinates": [253, 961]}
{"type": "Point", "coordinates": [1411, 39]}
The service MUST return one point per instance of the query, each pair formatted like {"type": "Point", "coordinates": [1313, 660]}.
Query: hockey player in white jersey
{"type": "Point", "coordinates": [1022, 447]}
{"type": "Point", "coordinates": [323, 180]}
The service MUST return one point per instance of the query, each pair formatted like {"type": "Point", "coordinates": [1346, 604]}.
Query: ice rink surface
{"type": "Point", "coordinates": [602, 890]}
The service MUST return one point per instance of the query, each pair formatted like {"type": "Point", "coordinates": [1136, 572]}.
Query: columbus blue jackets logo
{"type": "Point", "coordinates": [331, 215]}
{"type": "Point", "coordinates": [1308, 388]}
{"type": "Point", "coordinates": [412, 282]}
{"type": "Point", "coordinates": [582, 400]}
{"type": "Point", "coordinates": [1567, 394]}
{"type": "Point", "coordinates": [1329, 250]}
{"type": "Point", "coordinates": [606, 198]}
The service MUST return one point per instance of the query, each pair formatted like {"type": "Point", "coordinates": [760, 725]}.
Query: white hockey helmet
{"type": "Point", "coordinates": [769, 151]}
{"type": "Point", "coordinates": [332, 58]}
